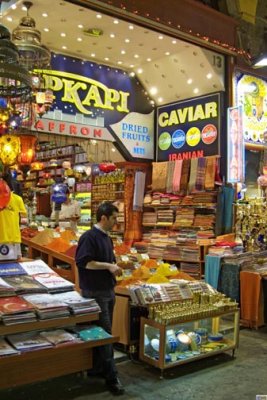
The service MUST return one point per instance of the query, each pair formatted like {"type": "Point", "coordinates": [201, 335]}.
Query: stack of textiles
{"type": "Point", "coordinates": [165, 217]}
{"type": "Point", "coordinates": [149, 218]}
{"type": "Point", "coordinates": [184, 217]}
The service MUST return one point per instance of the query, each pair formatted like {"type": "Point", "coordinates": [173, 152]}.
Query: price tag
{"type": "Point", "coordinates": [124, 258]}
{"type": "Point", "coordinates": [153, 271]}
{"type": "Point", "coordinates": [126, 273]}
{"type": "Point", "coordinates": [40, 228]}
{"type": "Point", "coordinates": [56, 234]}
{"type": "Point", "coordinates": [62, 229]}
{"type": "Point", "coordinates": [173, 268]}
{"type": "Point", "coordinates": [133, 250]}
{"type": "Point", "coordinates": [144, 256]}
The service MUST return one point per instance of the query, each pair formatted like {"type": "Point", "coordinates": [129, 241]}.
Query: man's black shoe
{"type": "Point", "coordinates": [115, 387]}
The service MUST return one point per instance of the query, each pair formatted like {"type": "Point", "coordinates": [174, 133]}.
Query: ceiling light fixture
{"type": "Point", "coordinates": [28, 41]}
{"type": "Point", "coordinates": [189, 81]}
{"type": "Point", "coordinates": [209, 75]}
{"type": "Point", "coordinates": [131, 27]}
{"type": "Point", "coordinates": [153, 90]}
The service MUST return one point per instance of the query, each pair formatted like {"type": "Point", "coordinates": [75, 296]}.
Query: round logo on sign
{"type": "Point", "coordinates": [178, 139]}
{"type": "Point", "coordinates": [4, 250]}
{"type": "Point", "coordinates": [193, 136]}
{"type": "Point", "coordinates": [164, 140]}
{"type": "Point", "coordinates": [209, 134]}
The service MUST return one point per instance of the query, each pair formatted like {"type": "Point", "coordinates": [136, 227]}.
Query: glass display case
{"type": "Point", "coordinates": [165, 346]}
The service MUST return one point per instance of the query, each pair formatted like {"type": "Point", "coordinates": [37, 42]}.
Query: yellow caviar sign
{"type": "Point", "coordinates": [188, 114]}
{"type": "Point", "coordinates": [83, 91]}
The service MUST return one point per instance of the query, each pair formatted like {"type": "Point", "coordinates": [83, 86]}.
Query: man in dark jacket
{"type": "Point", "coordinates": [97, 269]}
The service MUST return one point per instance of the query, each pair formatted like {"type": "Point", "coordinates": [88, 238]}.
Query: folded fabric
{"type": "Point", "coordinates": [212, 270]}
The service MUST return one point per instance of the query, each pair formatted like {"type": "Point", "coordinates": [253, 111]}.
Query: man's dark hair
{"type": "Point", "coordinates": [107, 208]}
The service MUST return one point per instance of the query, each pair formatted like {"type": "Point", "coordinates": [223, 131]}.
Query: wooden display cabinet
{"type": "Point", "coordinates": [48, 363]}
{"type": "Point", "coordinates": [166, 346]}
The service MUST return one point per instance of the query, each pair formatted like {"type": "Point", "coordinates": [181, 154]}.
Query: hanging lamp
{"type": "Point", "coordinates": [32, 53]}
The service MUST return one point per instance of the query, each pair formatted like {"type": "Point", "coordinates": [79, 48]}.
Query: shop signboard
{"type": "Point", "coordinates": [251, 94]}
{"type": "Point", "coordinates": [73, 129]}
{"type": "Point", "coordinates": [90, 97]}
{"type": "Point", "coordinates": [235, 146]}
{"type": "Point", "coordinates": [189, 129]}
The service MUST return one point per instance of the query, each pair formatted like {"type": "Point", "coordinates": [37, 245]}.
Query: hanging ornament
{"type": "Point", "coordinates": [4, 194]}
{"type": "Point", "coordinates": [27, 149]}
{"type": "Point", "coordinates": [9, 149]}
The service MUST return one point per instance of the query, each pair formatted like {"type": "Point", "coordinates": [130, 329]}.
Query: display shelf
{"type": "Point", "coordinates": [48, 324]}
{"type": "Point", "coordinates": [37, 365]}
{"type": "Point", "coordinates": [167, 346]}
{"type": "Point", "coordinates": [51, 257]}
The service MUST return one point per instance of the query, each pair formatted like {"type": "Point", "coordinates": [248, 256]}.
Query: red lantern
{"type": "Point", "coordinates": [27, 154]}
{"type": "Point", "coordinates": [4, 194]}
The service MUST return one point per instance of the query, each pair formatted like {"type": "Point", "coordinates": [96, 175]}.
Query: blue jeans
{"type": "Point", "coordinates": [103, 356]}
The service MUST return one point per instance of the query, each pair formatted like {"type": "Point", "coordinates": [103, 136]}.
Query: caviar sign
{"type": "Point", "coordinates": [188, 129]}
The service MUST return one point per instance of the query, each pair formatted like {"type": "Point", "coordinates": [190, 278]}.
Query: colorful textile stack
{"type": "Point", "coordinates": [184, 217]}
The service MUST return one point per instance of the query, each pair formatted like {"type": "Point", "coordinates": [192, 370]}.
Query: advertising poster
{"type": "Point", "coordinates": [235, 141]}
{"type": "Point", "coordinates": [189, 129]}
{"type": "Point", "coordinates": [98, 102]}
{"type": "Point", "coordinates": [251, 94]}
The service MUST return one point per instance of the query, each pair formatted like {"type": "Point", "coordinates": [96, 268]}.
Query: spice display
{"type": "Point", "coordinates": [59, 244]}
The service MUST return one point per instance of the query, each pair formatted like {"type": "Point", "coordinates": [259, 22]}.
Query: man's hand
{"type": "Point", "coordinates": [115, 270]}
